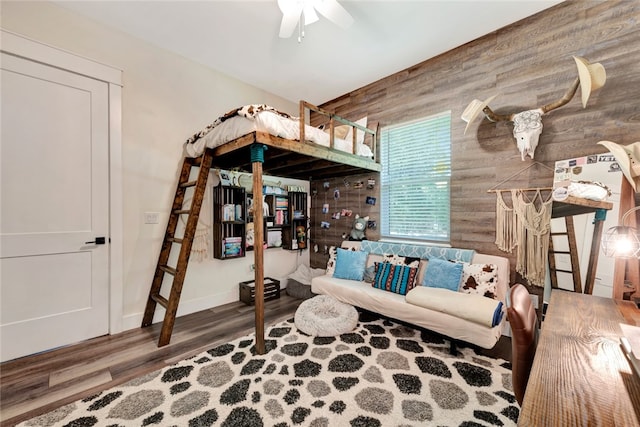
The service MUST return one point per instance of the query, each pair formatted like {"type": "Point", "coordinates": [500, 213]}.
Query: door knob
{"type": "Point", "coordinates": [98, 241]}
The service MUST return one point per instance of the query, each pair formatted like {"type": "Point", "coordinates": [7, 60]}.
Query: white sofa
{"type": "Point", "coordinates": [395, 306]}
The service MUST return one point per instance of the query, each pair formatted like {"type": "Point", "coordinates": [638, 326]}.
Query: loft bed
{"type": "Point", "coordinates": [261, 140]}
{"type": "Point", "coordinates": [294, 149]}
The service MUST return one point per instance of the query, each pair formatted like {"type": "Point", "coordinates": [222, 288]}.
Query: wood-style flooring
{"type": "Point", "coordinates": [37, 384]}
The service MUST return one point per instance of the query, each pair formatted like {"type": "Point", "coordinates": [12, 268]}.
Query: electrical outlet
{"type": "Point", "coordinates": [151, 217]}
{"type": "Point", "coordinates": [252, 267]}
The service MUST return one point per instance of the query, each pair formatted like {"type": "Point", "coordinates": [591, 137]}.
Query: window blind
{"type": "Point", "coordinates": [415, 179]}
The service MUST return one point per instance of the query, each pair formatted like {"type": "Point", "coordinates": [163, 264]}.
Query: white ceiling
{"type": "Point", "coordinates": [240, 38]}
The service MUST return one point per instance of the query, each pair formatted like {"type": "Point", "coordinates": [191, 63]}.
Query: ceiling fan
{"type": "Point", "coordinates": [303, 12]}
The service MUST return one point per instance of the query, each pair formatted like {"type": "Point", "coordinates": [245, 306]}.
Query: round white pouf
{"type": "Point", "coordinates": [325, 316]}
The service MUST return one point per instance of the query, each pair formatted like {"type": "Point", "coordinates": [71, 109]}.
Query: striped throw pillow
{"type": "Point", "coordinates": [398, 279]}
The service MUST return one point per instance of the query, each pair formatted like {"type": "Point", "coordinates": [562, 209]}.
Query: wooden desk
{"type": "Point", "coordinates": [580, 376]}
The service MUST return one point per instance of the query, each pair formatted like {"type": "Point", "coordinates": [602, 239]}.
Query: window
{"type": "Point", "coordinates": [415, 179]}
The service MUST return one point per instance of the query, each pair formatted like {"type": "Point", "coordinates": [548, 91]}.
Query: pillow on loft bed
{"type": "Point", "coordinates": [360, 135]}
{"type": "Point", "coordinates": [346, 132]}
{"type": "Point", "coordinates": [340, 131]}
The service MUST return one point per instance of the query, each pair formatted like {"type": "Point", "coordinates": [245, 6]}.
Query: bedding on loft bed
{"type": "Point", "coordinates": [260, 123]}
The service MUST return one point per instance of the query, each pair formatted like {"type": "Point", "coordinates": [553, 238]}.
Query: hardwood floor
{"type": "Point", "coordinates": [37, 384]}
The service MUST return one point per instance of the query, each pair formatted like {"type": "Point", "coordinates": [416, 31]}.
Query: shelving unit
{"type": "Point", "coordinates": [278, 205]}
{"type": "Point", "coordinates": [229, 222]}
{"type": "Point", "coordinates": [297, 217]}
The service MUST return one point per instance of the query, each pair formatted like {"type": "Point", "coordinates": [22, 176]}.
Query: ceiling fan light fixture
{"type": "Point", "coordinates": [303, 12]}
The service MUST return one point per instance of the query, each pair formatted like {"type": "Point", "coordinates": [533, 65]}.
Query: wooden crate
{"type": "Point", "coordinates": [248, 290]}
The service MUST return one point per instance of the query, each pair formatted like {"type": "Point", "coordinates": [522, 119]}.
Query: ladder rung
{"type": "Point", "coordinates": [160, 300]}
{"type": "Point", "coordinates": [561, 252]}
{"type": "Point", "coordinates": [560, 233]}
{"type": "Point", "coordinates": [168, 269]}
{"type": "Point", "coordinates": [171, 304]}
{"type": "Point", "coordinates": [563, 271]}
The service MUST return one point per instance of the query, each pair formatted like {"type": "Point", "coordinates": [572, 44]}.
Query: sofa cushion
{"type": "Point", "coordinates": [443, 274]}
{"type": "Point", "coordinates": [350, 264]}
{"type": "Point", "coordinates": [398, 279]}
{"type": "Point", "coordinates": [481, 279]}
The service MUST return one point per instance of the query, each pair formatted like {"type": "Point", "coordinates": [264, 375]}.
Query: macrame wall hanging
{"type": "Point", "coordinates": [202, 239]}
{"type": "Point", "coordinates": [525, 227]}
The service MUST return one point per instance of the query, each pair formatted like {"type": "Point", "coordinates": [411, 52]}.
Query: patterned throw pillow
{"type": "Point", "coordinates": [479, 279]}
{"type": "Point", "coordinates": [401, 260]}
{"type": "Point", "coordinates": [443, 274]}
{"type": "Point", "coordinates": [398, 279]}
{"type": "Point", "coordinates": [350, 264]}
{"type": "Point", "coordinates": [333, 253]}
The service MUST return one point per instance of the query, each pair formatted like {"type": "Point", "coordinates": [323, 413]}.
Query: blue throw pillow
{"type": "Point", "coordinates": [398, 279]}
{"type": "Point", "coordinates": [442, 274]}
{"type": "Point", "coordinates": [350, 264]}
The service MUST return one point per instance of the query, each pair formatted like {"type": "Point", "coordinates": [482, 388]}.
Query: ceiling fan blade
{"type": "Point", "coordinates": [333, 11]}
{"type": "Point", "coordinates": [291, 11]}
{"type": "Point", "coordinates": [310, 15]}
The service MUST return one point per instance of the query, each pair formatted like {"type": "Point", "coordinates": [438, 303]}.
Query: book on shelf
{"type": "Point", "coordinates": [282, 203]}
{"type": "Point", "coordinates": [232, 246]}
{"type": "Point", "coordinates": [228, 212]}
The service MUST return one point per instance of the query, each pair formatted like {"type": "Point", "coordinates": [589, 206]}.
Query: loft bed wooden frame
{"type": "Point", "coordinates": [297, 159]}
{"type": "Point", "coordinates": [262, 153]}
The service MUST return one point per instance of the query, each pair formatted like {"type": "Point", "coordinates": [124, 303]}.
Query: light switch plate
{"type": "Point", "coordinates": [151, 217]}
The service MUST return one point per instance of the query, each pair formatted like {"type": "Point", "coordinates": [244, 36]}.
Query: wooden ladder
{"type": "Point", "coordinates": [179, 271]}
{"type": "Point", "coordinates": [573, 255]}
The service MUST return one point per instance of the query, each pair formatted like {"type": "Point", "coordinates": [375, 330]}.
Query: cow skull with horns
{"type": "Point", "coordinates": [527, 125]}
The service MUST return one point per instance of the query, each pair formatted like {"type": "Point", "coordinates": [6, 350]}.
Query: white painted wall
{"type": "Point", "coordinates": [165, 99]}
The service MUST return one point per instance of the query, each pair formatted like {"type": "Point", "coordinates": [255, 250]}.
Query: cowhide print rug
{"type": "Point", "coordinates": [381, 374]}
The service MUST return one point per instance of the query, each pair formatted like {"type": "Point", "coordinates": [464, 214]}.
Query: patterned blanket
{"type": "Point", "coordinates": [248, 111]}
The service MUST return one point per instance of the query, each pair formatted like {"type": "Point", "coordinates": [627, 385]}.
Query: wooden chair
{"type": "Point", "coordinates": [524, 337]}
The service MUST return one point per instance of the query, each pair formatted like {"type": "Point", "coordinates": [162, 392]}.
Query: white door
{"type": "Point", "coordinates": [54, 200]}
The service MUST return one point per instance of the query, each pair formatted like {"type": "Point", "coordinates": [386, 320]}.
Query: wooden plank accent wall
{"type": "Point", "coordinates": [529, 63]}
{"type": "Point", "coordinates": [352, 199]}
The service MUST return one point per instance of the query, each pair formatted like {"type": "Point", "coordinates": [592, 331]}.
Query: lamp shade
{"type": "Point", "coordinates": [621, 242]}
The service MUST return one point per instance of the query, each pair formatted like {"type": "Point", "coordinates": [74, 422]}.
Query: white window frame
{"type": "Point", "coordinates": [415, 158]}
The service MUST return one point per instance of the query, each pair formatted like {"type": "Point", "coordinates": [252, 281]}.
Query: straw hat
{"type": "Point", "coordinates": [473, 109]}
{"type": "Point", "coordinates": [628, 157]}
{"type": "Point", "coordinates": [592, 77]}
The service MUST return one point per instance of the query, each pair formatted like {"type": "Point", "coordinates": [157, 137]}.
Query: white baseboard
{"type": "Point", "coordinates": [185, 307]}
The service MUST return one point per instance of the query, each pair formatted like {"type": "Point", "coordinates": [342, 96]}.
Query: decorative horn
{"type": "Point", "coordinates": [565, 98]}
{"type": "Point", "coordinates": [494, 117]}
{"type": "Point", "coordinates": [488, 112]}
